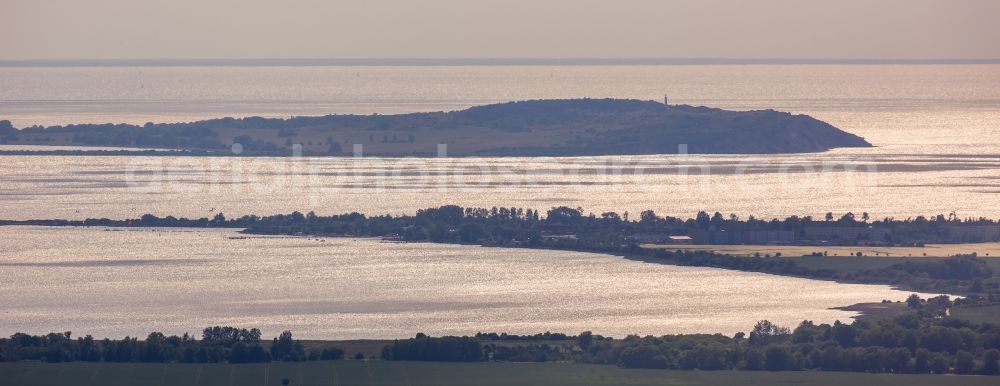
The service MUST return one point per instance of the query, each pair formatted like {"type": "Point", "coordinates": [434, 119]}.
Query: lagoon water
{"type": "Point", "coordinates": [936, 131]}
{"type": "Point", "coordinates": [117, 282]}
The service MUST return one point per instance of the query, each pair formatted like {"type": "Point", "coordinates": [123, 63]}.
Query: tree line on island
{"type": "Point", "coordinates": [964, 274]}
{"type": "Point", "coordinates": [217, 344]}
{"type": "Point", "coordinates": [527, 227]}
{"type": "Point", "coordinates": [567, 228]}
{"type": "Point", "coordinates": [923, 340]}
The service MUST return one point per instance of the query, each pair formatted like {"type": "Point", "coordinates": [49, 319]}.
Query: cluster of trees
{"type": "Point", "coordinates": [218, 344]}
{"type": "Point", "coordinates": [149, 135]}
{"type": "Point", "coordinates": [963, 267]}
{"type": "Point", "coordinates": [904, 345]}
{"type": "Point", "coordinates": [7, 131]}
{"type": "Point", "coordinates": [909, 231]}
{"type": "Point", "coordinates": [198, 136]}
{"type": "Point", "coordinates": [253, 146]}
{"type": "Point", "coordinates": [444, 349]}
{"type": "Point", "coordinates": [488, 336]}
{"type": "Point", "coordinates": [192, 135]}
{"type": "Point", "coordinates": [920, 341]}
{"type": "Point", "coordinates": [538, 352]}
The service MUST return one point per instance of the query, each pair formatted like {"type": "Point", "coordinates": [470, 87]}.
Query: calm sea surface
{"type": "Point", "coordinates": [113, 282]}
{"type": "Point", "coordinates": [936, 131]}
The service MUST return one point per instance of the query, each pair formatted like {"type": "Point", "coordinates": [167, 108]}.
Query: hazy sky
{"type": "Point", "coordinates": [144, 29]}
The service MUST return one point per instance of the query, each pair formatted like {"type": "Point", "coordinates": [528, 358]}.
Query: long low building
{"type": "Point", "coordinates": [659, 238]}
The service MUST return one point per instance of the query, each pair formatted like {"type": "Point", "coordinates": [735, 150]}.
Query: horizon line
{"type": "Point", "coordinates": [420, 62]}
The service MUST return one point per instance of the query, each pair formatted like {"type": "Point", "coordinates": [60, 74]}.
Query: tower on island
{"type": "Point", "coordinates": [666, 101]}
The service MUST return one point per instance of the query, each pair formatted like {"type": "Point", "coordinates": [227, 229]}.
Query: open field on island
{"type": "Point", "coordinates": [844, 259]}
{"type": "Point", "coordinates": [426, 373]}
{"type": "Point", "coordinates": [986, 314]}
{"type": "Point", "coordinates": [930, 250]}
{"type": "Point", "coordinates": [854, 263]}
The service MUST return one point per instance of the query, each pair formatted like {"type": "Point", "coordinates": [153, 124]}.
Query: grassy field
{"type": "Point", "coordinates": [931, 250]}
{"type": "Point", "coordinates": [367, 347]}
{"type": "Point", "coordinates": [842, 258]}
{"type": "Point", "coordinates": [416, 374]}
{"type": "Point", "coordinates": [875, 312]}
{"type": "Point", "coordinates": [988, 314]}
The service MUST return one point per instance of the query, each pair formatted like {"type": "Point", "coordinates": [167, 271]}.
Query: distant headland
{"type": "Point", "coordinates": [570, 127]}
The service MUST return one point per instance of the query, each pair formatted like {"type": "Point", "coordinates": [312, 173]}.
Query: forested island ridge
{"type": "Point", "coordinates": [572, 127]}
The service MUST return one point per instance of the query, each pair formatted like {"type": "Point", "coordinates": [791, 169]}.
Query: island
{"type": "Point", "coordinates": [570, 127]}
